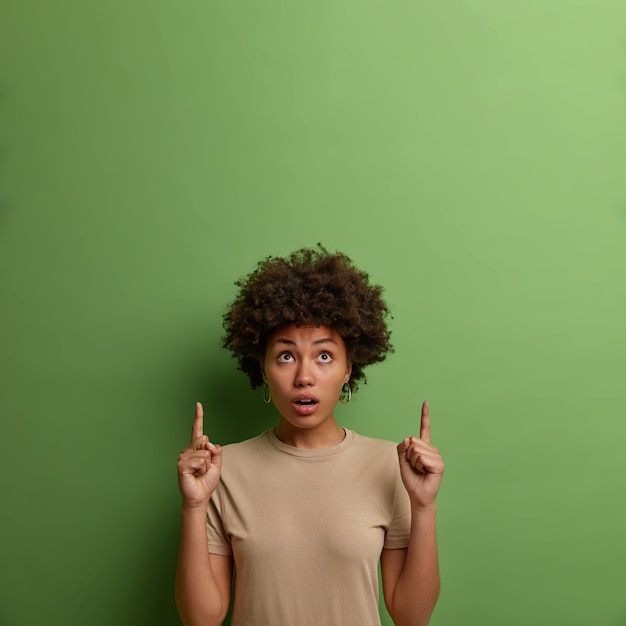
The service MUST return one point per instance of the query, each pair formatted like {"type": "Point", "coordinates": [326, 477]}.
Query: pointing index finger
{"type": "Point", "coordinates": [425, 423]}
{"type": "Point", "coordinates": [197, 430]}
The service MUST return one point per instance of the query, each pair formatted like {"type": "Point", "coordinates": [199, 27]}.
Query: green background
{"type": "Point", "coordinates": [469, 155]}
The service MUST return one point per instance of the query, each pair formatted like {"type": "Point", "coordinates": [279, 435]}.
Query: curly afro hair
{"type": "Point", "coordinates": [310, 286]}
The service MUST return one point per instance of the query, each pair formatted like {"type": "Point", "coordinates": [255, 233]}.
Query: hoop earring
{"type": "Point", "coordinates": [266, 393]}
{"type": "Point", "coordinates": [344, 392]}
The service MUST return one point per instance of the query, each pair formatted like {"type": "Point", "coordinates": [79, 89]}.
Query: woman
{"type": "Point", "coordinates": [306, 511]}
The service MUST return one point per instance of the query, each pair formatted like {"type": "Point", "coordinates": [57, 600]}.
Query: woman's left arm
{"type": "Point", "coordinates": [411, 575]}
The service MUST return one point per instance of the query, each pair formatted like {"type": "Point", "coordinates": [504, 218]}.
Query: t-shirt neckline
{"type": "Point", "coordinates": [309, 453]}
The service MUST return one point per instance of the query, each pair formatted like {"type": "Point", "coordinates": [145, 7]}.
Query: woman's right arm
{"type": "Point", "coordinates": [203, 580]}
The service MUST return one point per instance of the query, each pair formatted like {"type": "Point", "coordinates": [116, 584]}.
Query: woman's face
{"type": "Point", "coordinates": [305, 368]}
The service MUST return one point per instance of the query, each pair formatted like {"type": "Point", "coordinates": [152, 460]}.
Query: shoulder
{"type": "Point", "coordinates": [374, 445]}
{"type": "Point", "coordinates": [376, 462]}
{"type": "Point", "coordinates": [247, 452]}
{"type": "Point", "coordinates": [253, 441]}
{"type": "Point", "coordinates": [378, 452]}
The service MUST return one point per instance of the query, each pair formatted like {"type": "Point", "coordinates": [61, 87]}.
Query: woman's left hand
{"type": "Point", "coordinates": [421, 465]}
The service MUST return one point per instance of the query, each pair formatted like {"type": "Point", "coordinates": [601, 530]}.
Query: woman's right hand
{"type": "Point", "coordinates": [199, 466]}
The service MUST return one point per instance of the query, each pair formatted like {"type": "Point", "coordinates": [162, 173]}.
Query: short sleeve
{"type": "Point", "coordinates": [399, 529]}
{"type": "Point", "coordinates": [217, 537]}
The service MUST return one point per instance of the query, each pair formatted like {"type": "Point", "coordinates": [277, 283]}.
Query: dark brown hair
{"type": "Point", "coordinates": [310, 286]}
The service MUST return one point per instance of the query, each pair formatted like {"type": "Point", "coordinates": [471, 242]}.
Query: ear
{"type": "Point", "coordinates": [346, 378]}
{"type": "Point", "coordinates": [262, 368]}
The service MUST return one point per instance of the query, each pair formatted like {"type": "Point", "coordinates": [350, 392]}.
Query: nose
{"type": "Point", "coordinates": [304, 375]}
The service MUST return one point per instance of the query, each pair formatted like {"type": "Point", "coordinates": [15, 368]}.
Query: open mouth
{"type": "Point", "coordinates": [305, 405]}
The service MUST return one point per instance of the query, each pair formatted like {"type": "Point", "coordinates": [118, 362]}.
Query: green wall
{"type": "Point", "coordinates": [469, 155]}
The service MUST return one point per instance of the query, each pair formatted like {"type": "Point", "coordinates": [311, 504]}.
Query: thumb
{"type": "Point", "coordinates": [402, 448]}
{"type": "Point", "coordinates": [216, 455]}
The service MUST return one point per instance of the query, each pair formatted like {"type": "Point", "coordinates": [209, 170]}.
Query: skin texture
{"type": "Point", "coordinates": [421, 465]}
{"type": "Point", "coordinates": [303, 363]}
{"type": "Point", "coordinates": [306, 362]}
{"type": "Point", "coordinates": [411, 576]}
{"type": "Point", "coordinates": [203, 580]}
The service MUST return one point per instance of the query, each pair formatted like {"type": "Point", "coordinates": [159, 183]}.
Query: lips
{"type": "Point", "coordinates": [305, 405]}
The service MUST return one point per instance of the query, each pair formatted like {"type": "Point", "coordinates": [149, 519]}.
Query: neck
{"type": "Point", "coordinates": [311, 438]}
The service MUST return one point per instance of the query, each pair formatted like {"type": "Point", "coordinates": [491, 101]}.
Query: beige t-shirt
{"type": "Point", "coordinates": [306, 529]}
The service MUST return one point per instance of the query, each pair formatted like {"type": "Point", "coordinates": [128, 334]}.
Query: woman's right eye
{"type": "Point", "coordinates": [285, 357]}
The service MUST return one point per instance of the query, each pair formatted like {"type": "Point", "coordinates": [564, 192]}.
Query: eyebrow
{"type": "Point", "coordinates": [317, 342]}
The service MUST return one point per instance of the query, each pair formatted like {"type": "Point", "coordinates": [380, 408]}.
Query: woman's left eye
{"type": "Point", "coordinates": [325, 357]}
